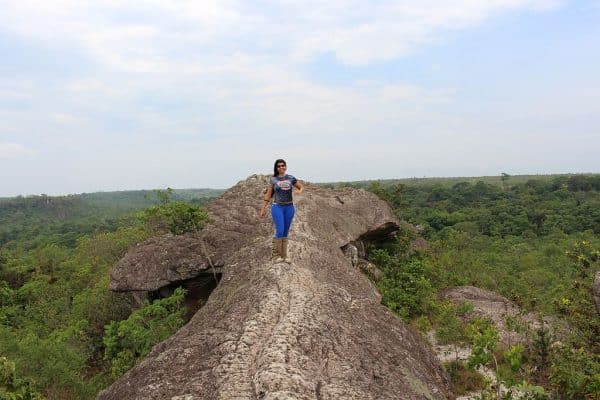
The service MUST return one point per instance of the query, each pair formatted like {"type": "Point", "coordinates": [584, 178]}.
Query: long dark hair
{"type": "Point", "coordinates": [275, 173]}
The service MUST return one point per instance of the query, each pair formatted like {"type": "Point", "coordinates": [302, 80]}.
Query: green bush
{"type": "Point", "coordinates": [483, 337]}
{"type": "Point", "coordinates": [12, 387]}
{"type": "Point", "coordinates": [405, 288]}
{"type": "Point", "coordinates": [54, 362]}
{"type": "Point", "coordinates": [514, 356]}
{"type": "Point", "coordinates": [575, 373]}
{"type": "Point", "coordinates": [449, 327]}
{"type": "Point", "coordinates": [175, 217]}
{"type": "Point", "coordinates": [130, 340]}
{"type": "Point", "coordinates": [464, 379]}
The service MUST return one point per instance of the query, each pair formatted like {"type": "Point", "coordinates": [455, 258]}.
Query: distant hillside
{"type": "Point", "coordinates": [132, 200]}
{"type": "Point", "coordinates": [498, 180]}
{"type": "Point", "coordinates": [68, 217]}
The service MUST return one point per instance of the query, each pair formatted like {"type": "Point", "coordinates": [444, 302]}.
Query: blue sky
{"type": "Point", "coordinates": [112, 95]}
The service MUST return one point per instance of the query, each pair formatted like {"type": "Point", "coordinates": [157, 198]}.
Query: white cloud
{"type": "Point", "coordinates": [13, 90]}
{"type": "Point", "coordinates": [363, 32]}
{"type": "Point", "coordinates": [357, 32]}
{"type": "Point", "coordinates": [63, 118]}
{"type": "Point", "coordinates": [174, 86]}
{"type": "Point", "coordinates": [10, 150]}
{"type": "Point", "coordinates": [245, 58]}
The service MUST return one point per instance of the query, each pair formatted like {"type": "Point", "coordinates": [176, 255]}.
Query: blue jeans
{"type": "Point", "coordinates": [282, 218]}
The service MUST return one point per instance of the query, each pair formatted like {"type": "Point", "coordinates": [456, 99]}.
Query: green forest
{"type": "Point", "coordinates": [534, 240]}
{"type": "Point", "coordinates": [63, 333]}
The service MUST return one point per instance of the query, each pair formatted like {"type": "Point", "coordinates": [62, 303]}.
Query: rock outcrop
{"type": "Point", "coordinates": [314, 329]}
{"type": "Point", "coordinates": [498, 309]}
{"type": "Point", "coordinates": [163, 260]}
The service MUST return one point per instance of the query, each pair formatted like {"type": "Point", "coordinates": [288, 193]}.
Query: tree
{"type": "Point", "coordinates": [405, 289]}
{"type": "Point", "coordinates": [484, 339]}
{"type": "Point", "coordinates": [504, 178]}
{"type": "Point", "coordinates": [176, 217]}
{"type": "Point", "coordinates": [12, 387]}
{"type": "Point", "coordinates": [130, 340]}
{"type": "Point", "coordinates": [450, 329]}
{"type": "Point", "coordinates": [575, 373]}
{"type": "Point", "coordinates": [541, 351]}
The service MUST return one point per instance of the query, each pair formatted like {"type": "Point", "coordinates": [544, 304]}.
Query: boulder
{"type": "Point", "coordinates": [164, 260]}
{"type": "Point", "coordinates": [312, 329]}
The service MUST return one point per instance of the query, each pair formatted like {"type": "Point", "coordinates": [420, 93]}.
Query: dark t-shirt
{"type": "Point", "coordinates": [282, 188]}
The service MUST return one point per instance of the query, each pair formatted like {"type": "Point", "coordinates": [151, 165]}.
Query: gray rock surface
{"type": "Point", "coordinates": [314, 329]}
{"type": "Point", "coordinates": [162, 260]}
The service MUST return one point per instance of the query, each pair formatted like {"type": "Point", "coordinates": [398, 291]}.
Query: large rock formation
{"type": "Point", "coordinates": [164, 260]}
{"type": "Point", "coordinates": [314, 329]}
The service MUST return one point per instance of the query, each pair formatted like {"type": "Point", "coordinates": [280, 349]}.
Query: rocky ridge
{"type": "Point", "coordinates": [314, 329]}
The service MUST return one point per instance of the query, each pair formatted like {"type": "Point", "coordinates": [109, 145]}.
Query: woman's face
{"type": "Point", "coordinates": [281, 168]}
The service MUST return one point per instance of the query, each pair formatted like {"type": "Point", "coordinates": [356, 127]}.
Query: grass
{"type": "Point", "coordinates": [464, 379]}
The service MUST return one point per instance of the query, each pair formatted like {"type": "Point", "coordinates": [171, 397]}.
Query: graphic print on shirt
{"type": "Point", "coordinates": [282, 188]}
{"type": "Point", "coordinates": [284, 185]}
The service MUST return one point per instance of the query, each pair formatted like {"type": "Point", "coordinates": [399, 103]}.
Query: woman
{"type": "Point", "coordinates": [281, 188]}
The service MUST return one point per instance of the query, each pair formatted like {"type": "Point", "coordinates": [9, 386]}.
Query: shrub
{"type": "Point", "coordinates": [130, 340]}
{"type": "Point", "coordinates": [405, 289]}
{"type": "Point", "coordinates": [464, 379]}
{"type": "Point", "coordinates": [12, 387]}
{"type": "Point", "coordinates": [484, 339]}
{"type": "Point", "coordinates": [175, 217]}
{"type": "Point", "coordinates": [575, 373]}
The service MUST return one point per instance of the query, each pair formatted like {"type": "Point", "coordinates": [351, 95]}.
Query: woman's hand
{"type": "Point", "coordinates": [267, 194]}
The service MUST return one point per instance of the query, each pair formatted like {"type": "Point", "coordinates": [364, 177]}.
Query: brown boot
{"type": "Point", "coordinates": [276, 252]}
{"type": "Point", "coordinates": [284, 253]}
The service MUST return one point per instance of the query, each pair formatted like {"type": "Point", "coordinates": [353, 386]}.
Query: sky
{"type": "Point", "coordinates": [123, 95]}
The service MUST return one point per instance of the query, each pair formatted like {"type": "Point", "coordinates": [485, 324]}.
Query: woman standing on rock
{"type": "Point", "coordinates": [281, 188]}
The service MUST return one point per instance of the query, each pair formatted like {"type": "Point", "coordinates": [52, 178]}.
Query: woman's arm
{"type": "Point", "coordinates": [266, 200]}
{"type": "Point", "coordinates": [299, 186]}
